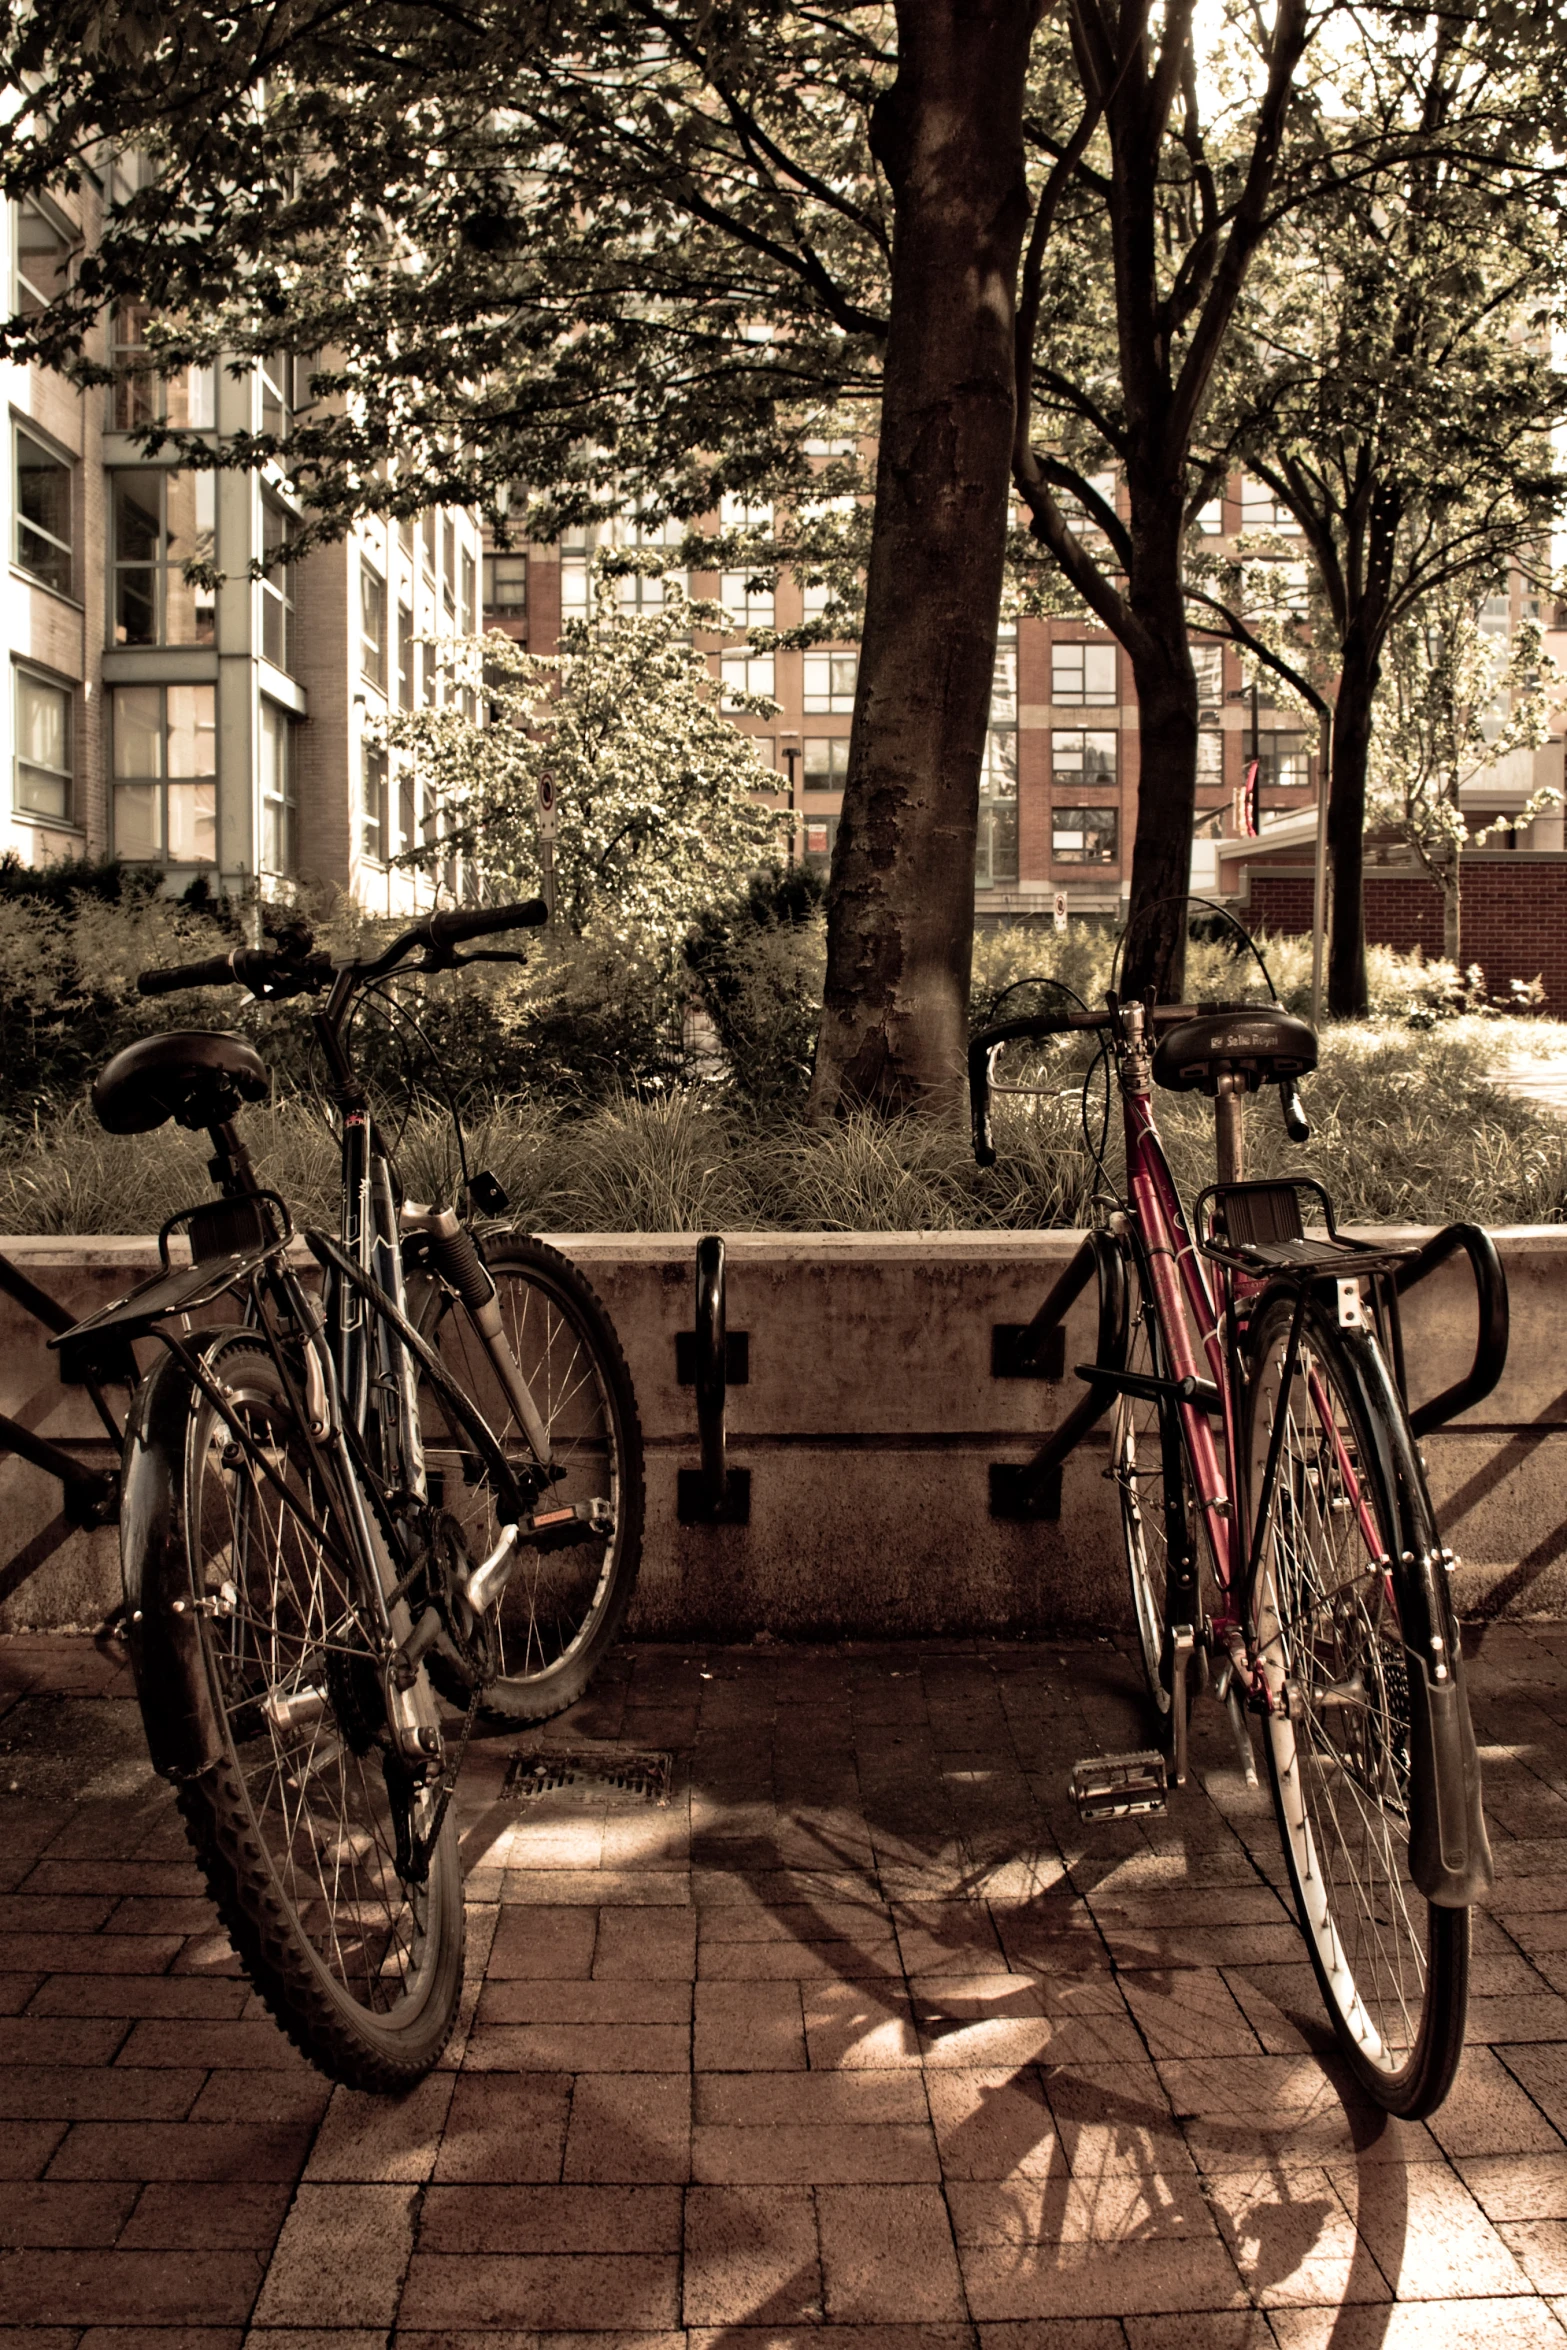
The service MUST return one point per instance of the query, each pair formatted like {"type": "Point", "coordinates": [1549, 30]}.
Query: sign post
{"type": "Point", "coordinates": [1060, 909]}
{"type": "Point", "coordinates": [549, 822]}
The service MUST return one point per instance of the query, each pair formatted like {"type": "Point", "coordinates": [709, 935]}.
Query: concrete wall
{"type": "Point", "coordinates": [868, 1425]}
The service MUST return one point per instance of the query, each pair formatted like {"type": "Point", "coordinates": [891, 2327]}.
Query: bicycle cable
{"type": "Point", "coordinates": [1213, 907]}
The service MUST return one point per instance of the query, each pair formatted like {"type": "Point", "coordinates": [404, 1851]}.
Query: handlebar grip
{"type": "Point", "coordinates": [450, 930]}
{"type": "Point", "coordinates": [1296, 1124]}
{"type": "Point", "coordinates": [979, 1101]}
{"type": "Point", "coordinates": [217, 971]}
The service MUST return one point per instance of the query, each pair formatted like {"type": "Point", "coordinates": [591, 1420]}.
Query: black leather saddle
{"type": "Point", "coordinates": [191, 1076]}
{"type": "Point", "coordinates": [1260, 1044]}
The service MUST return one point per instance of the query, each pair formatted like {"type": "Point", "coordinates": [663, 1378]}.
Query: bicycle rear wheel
{"type": "Point", "coordinates": [303, 1823]}
{"type": "Point", "coordinates": [1392, 1967]}
{"type": "Point", "coordinates": [562, 1609]}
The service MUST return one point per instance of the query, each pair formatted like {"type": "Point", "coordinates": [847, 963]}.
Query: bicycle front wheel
{"type": "Point", "coordinates": [1392, 1968]}
{"type": "Point", "coordinates": [562, 1609]}
{"type": "Point", "coordinates": [1139, 1467]}
{"type": "Point", "coordinates": [305, 1824]}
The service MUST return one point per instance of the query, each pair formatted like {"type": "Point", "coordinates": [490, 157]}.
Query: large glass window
{"type": "Point", "coordinates": [505, 587]}
{"type": "Point", "coordinates": [1261, 510]}
{"type": "Point", "coordinates": [372, 626]}
{"type": "Point", "coordinates": [374, 843]}
{"type": "Point", "coordinates": [141, 395]}
{"type": "Point", "coordinates": [1084, 836]}
{"type": "Point", "coordinates": [1003, 681]}
{"type": "Point", "coordinates": [279, 793]}
{"type": "Point", "coordinates": [449, 569]}
{"type": "Point", "coordinates": [405, 658]}
{"type": "Point", "coordinates": [278, 376]}
{"type": "Point", "coordinates": [1210, 757]}
{"type": "Point", "coordinates": [277, 589]}
{"type": "Point", "coordinates": [1083, 673]}
{"type": "Point", "coordinates": [470, 616]}
{"type": "Point", "coordinates": [43, 780]}
{"type": "Point", "coordinates": [829, 683]}
{"type": "Point", "coordinates": [43, 513]}
{"type": "Point", "coordinates": [748, 607]}
{"type": "Point", "coordinates": [995, 855]}
{"type": "Point", "coordinates": [165, 773]}
{"type": "Point", "coordinates": [1082, 757]}
{"type": "Point", "coordinates": [1284, 762]}
{"type": "Point", "coordinates": [43, 258]}
{"type": "Point", "coordinates": [1208, 669]}
{"type": "Point", "coordinates": [161, 521]}
{"type": "Point", "coordinates": [826, 762]}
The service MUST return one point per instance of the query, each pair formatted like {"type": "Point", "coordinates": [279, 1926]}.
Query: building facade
{"type": "Point", "coordinates": [224, 732]}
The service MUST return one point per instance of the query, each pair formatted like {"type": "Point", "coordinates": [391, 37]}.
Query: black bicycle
{"type": "Point", "coordinates": [417, 1479]}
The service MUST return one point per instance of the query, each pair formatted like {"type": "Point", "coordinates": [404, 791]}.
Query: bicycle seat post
{"type": "Point", "coordinates": [1229, 1120]}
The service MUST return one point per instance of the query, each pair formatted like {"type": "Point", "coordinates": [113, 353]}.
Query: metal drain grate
{"type": "Point", "coordinates": [587, 1774]}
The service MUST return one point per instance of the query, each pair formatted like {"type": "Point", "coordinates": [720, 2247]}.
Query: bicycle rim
{"type": "Point", "coordinates": [1391, 1967]}
{"type": "Point", "coordinates": [362, 1967]}
{"type": "Point", "coordinates": [561, 1608]}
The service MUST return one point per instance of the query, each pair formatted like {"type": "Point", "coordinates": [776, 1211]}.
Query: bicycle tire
{"type": "Point", "coordinates": [282, 1784]}
{"type": "Point", "coordinates": [562, 1610]}
{"type": "Point", "coordinates": [1392, 1968]}
{"type": "Point", "coordinates": [1137, 1468]}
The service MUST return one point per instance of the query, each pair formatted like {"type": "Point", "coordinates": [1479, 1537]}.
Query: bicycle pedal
{"type": "Point", "coordinates": [1119, 1786]}
{"type": "Point", "coordinates": [568, 1524]}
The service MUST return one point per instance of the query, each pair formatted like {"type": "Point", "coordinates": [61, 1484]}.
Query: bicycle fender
{"type": "Point", "coordinates": [167, 1657]}
{"type": "Point", "coordinates": [1449, 1848]}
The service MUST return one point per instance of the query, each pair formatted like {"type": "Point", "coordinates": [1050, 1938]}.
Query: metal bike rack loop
{"type": "Point", "coordinates": [714, 1494]}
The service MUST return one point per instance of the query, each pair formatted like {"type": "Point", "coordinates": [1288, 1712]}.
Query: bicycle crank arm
{"type": "Point", "coordinates": [546, 1530]}
{"type": "Point", "coordinates": [1148, 1389]}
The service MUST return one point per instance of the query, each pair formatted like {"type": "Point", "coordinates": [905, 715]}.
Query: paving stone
{"type": "Point", "coordinates": [887, 2254]}
{"type": "Point", "coordinates": [751, 2257]}
{"type": "Point", "coordinates": [629, 2127]}
{"type": "Point", "coordinates": [341, 2258]}
{"type": "Point", "coordinates": [539, 2219]}
{"type": "Point", "coordinates": [551, 2293]}
{"type": "Point", "coordinates": [1426, 2232]}
{"type": "Point", "coordinates": [746, 2027]}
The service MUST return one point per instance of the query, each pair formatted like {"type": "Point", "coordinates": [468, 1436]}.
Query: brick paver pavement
{"type": "Point", "coordinates": [862, 2036]}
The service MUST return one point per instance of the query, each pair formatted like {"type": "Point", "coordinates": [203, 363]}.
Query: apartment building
{"type": "Point", "coordinates": [224, 732]}
{"type": "Point", "coordinates": [1058, 793]}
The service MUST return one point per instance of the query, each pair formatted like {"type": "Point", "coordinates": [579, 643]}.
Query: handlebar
{"type": "Point", "coordinates": [292, 969]}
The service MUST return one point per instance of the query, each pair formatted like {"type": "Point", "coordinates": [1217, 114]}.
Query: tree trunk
{"type": "Point", "coordinates": [900, 904]}
{"type": "Point", "coordinates": [1453, 912]}
{"type": "Point", "coordinates": [1167, 754]}
{"type": "Point", "coordinates": [1347, 829]}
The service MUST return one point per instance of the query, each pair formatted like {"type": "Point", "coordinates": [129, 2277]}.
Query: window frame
{"type": "Point", "coordinates": [836, 703]}
{"type": "Point", "coordinates": [163, 779]}
{"type": "Point", "coordinates": [285, 824]}
{"type": "Point", "coordinates": [369, 576]}
{"type": "Point", "coordinates": [1077, 779]}
{"type": "Point", "coordinates": [1083, 699]}
{"type": "Point", "coordinates": [518, 564]}
{"type": "Point", "coordinates": [161, 565]}
{"type": "Point", "coordinates": [70, 238]}
{"type": "Point", "coordinates": [28, 432]}
{"type": "Point", "coordinates": [836, 770]}
{"type": "Point", "coordinates": [67, 690]}
{"type": "Point", "coordinates": [374, 781]}
{"type": "Point", "coordinates": [277, 587]}
{"type": "Point", "coordinates": [1107, 819]}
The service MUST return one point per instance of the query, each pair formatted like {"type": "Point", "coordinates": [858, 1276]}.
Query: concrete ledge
{"type": "Point", "coordinates": [869, 1424]}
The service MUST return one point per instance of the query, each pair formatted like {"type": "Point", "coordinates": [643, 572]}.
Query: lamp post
{"type": "Point", "coordinates": [789, 746]}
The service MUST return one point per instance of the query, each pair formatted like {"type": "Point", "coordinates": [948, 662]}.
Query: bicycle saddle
{"type": "Point", "coordinates": [1260, 1043]}
{"type": "Point", "coordinates": [196, 1078]}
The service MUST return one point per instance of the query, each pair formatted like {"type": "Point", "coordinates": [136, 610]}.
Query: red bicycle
{"type": "Point", "coordinates": [1283, 1551]}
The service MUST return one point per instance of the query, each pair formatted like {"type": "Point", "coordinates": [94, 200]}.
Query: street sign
{"type": "Point", "coordinates": [549, 810]}
{"type": "Point", "coordinates": [1060, 909]}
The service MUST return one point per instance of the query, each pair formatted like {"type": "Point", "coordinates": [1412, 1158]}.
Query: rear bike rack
{"type": "Point", "coordinates": [706, 1358]}
{"type": "Point", "coordinates": [1031, 1490]}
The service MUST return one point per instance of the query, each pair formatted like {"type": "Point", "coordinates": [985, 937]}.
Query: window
{"type": "Point", "coordinates": [43, 747]}
{"type": "Point", "coordinates": [748, 607]}
{"type": "Point", "coordinates": [165, 773]}
{"type": "Point", "coordinates": [140, 395]}
{"type": "Point", "coordinates": [505, 587]}
{"type": "Point", "coordinates": [161, 521]}
{"type": "Point", "coordinates": [449, 568]}
{"type": "Point", "coordinates": [405, 533]}
{"type": "Point", "coordinates": [735, 513]}
{"type": "Point", "coordinates": [277, 377]}
{"type": "Point", "coordinates": [374, 843]}
{"type": "Point", "coordinates": [406, 822]}
{"type": "Point", "coordinates": [405, 658]}
{"type": "Point", "coordinates": [1210, 518]}
{"type": "Point", "coordinates": [427, 523]}
{"type": "Point", "coordinates": [1284, 762]}
{"type": "Point", "coordinates": [277, 589]}
{"type": "Point", "coordinates": [1083, 673]}
{"type": "Point", "coordinates": [826, 762]}
{"type": "Point", "coordinates": [1261, 510]}
{"type": "Point", "coordinates": [1208, 668]}
{"type": "Point", "coordinates": [1003, 682]}
{"type": "Point", "coordinates": [470, 617]}
{"type": "Point", "coordinates": [1210, 758]}
{"type": "Point", "coordinates": [1082, 758]}
{"type": "Point", "coordinates": [43, 258]}
{"type": "Point", "coordinates": [829, 683]}
{"type": "Point", "coordinates": [1084, 836]}
{"type": "Point", "coordinates": [816, 843]}
{"type": "Point", "coordinates": [995, 854]}
{"type": "Point", "coordinates": [279, 797]}
{"type": "Point", "coordinates": [43, 514]}
{"type": "Point", "coordinates": [372, 626]}
{"type": "Point", "coordinates": [1079, 518]}
{"type": "Point", "coordinates": [745, 673]}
